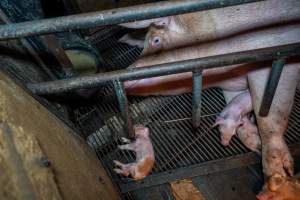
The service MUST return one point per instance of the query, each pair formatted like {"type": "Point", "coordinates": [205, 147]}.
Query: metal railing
{"type": "Point", "coordinates": [147, 11]}
{"type": "Point", "coordinates": [110, 17]}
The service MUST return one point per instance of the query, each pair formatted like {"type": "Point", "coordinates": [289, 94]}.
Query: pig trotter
{"type": "Point", "coordinates": [125, 140]}
{"type": "Point", "coordinates": [127, 147]}
{"type": "Point", "coordinates": [122, 168]}
{"type": "Point", "coordinates": [277, 158]}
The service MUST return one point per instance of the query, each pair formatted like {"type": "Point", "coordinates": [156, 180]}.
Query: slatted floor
{"type": "Point", "coordinates": [175, 143]}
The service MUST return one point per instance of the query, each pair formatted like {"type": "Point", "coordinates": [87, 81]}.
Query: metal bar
{"type": "Point", "coordinates": [114, 16]}
{"type": "Point", "coordinates": [30, 50]}
{"type": "Point", "coordinates": [124, 107]}
{"type": "Point", "coordinates": [197, 88]}
{"type": "Point", "coordinates": [271, 86]}
{"type": "Point", "coordinates": [96, 80]}
{"type": "Point", "coordinates": [199, 170]}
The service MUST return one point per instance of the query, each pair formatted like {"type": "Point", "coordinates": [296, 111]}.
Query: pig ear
{"type": "Point", "coordinates": [219, 120]}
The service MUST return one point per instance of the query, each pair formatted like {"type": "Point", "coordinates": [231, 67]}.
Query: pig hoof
{"type": "Point", "coordinates": [277, 159]}
{"type": "Point", "coordinates": [118, 171]}
{"type": "Point", "coordinates": [118, 163]}
{"type": "Point", "coordinates": [125, 140]}
{"type": "Point", "coordinates": [288, 164]}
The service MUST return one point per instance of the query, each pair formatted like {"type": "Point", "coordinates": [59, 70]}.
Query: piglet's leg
{"type": "Point", "coordinates": [125, 140]}
{"type": "Point", "coordinates": [130, 146]}
{"type": "Point", "coordinates": [276, 158]}
{"type": "Point", "coordinates": [124, 168]}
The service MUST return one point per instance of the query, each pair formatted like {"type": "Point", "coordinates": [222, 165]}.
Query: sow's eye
{"type": "Point", "coordinates": [156, 41]}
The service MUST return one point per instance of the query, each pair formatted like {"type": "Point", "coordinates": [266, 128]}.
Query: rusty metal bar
{"type": "Point", "coordinates": [110, 17]}
{"type": "Point", "coordinates": [124, 107]}
{"type": "Point", "coordinates": [30, 50]}
{"type": "Point", "coordinates": [271, 86]}
{"type": "Point", "coordinates": [96, 80]}
{"type": "Point", "coordinates": [197, 88]}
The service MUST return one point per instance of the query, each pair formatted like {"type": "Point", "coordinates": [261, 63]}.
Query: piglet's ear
{"type": "Point", "coordinates": [219, 120]}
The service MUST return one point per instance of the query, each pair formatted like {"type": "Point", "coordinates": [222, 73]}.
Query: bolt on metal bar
{"type": "Point", "coordinates": [124, 107]}
{"type": "Point", "coordinates": [96, 80]}
{"type": "Point", "coordinates": [197, 88]}
{"type": "Point", "coordinates": [110, 17]}
{"type": "Point", "coordinates": [271, 87]}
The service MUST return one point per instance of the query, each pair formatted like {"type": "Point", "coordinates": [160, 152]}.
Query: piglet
{"type": "Point", "coordinates": [143, 148]}
{"type": "Point", "coordinates": [248, 134]}
{"type": "Point", "coordinates": [231, 116]}
{"type": "Point", "coordinates": [279, 187]}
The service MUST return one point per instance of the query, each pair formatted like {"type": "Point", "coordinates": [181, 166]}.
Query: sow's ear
{"type": "Point", "coordinates": [219, 121]}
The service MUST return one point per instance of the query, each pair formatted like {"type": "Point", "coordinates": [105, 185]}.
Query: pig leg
{"type": "Point", "coordinates": [229, 95]}
{"type": "Point", "coordinates": [125, 140]}
{"type": "Point", "coordinates": [130, 146]}
{"type": "Point", "coordinates": [124, 169]}
{"type": "Point", "coordinates": [276, 158]}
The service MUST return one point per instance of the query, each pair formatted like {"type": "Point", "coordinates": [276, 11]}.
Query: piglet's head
{"type": "Point", "coordinates": [141, 131]}
{"type": "Point", "coordinates": [227, 128]}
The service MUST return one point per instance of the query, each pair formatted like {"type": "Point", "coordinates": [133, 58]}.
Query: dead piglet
{"type": "Point", "coordinates": [249, 136]}
{"type": "Point", "coordinates": [143, 148]}
{"type": "Point", "coordinates": [279, 187]}
{"type": "Point", "coordinates": [231, 116]}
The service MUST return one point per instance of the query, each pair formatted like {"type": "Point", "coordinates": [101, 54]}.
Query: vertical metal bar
{"type": "Point", "coordinates": [271, 86]}
{"type": "Point", "coordinates": [197, 88]}
{"type": "Point", "coordinates": [124, 107]}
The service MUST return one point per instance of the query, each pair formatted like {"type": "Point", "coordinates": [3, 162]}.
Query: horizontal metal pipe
{"type": "Point", "coordinates": [114, 16]}
{"type": "Point", "coordinates": [96, 80]}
